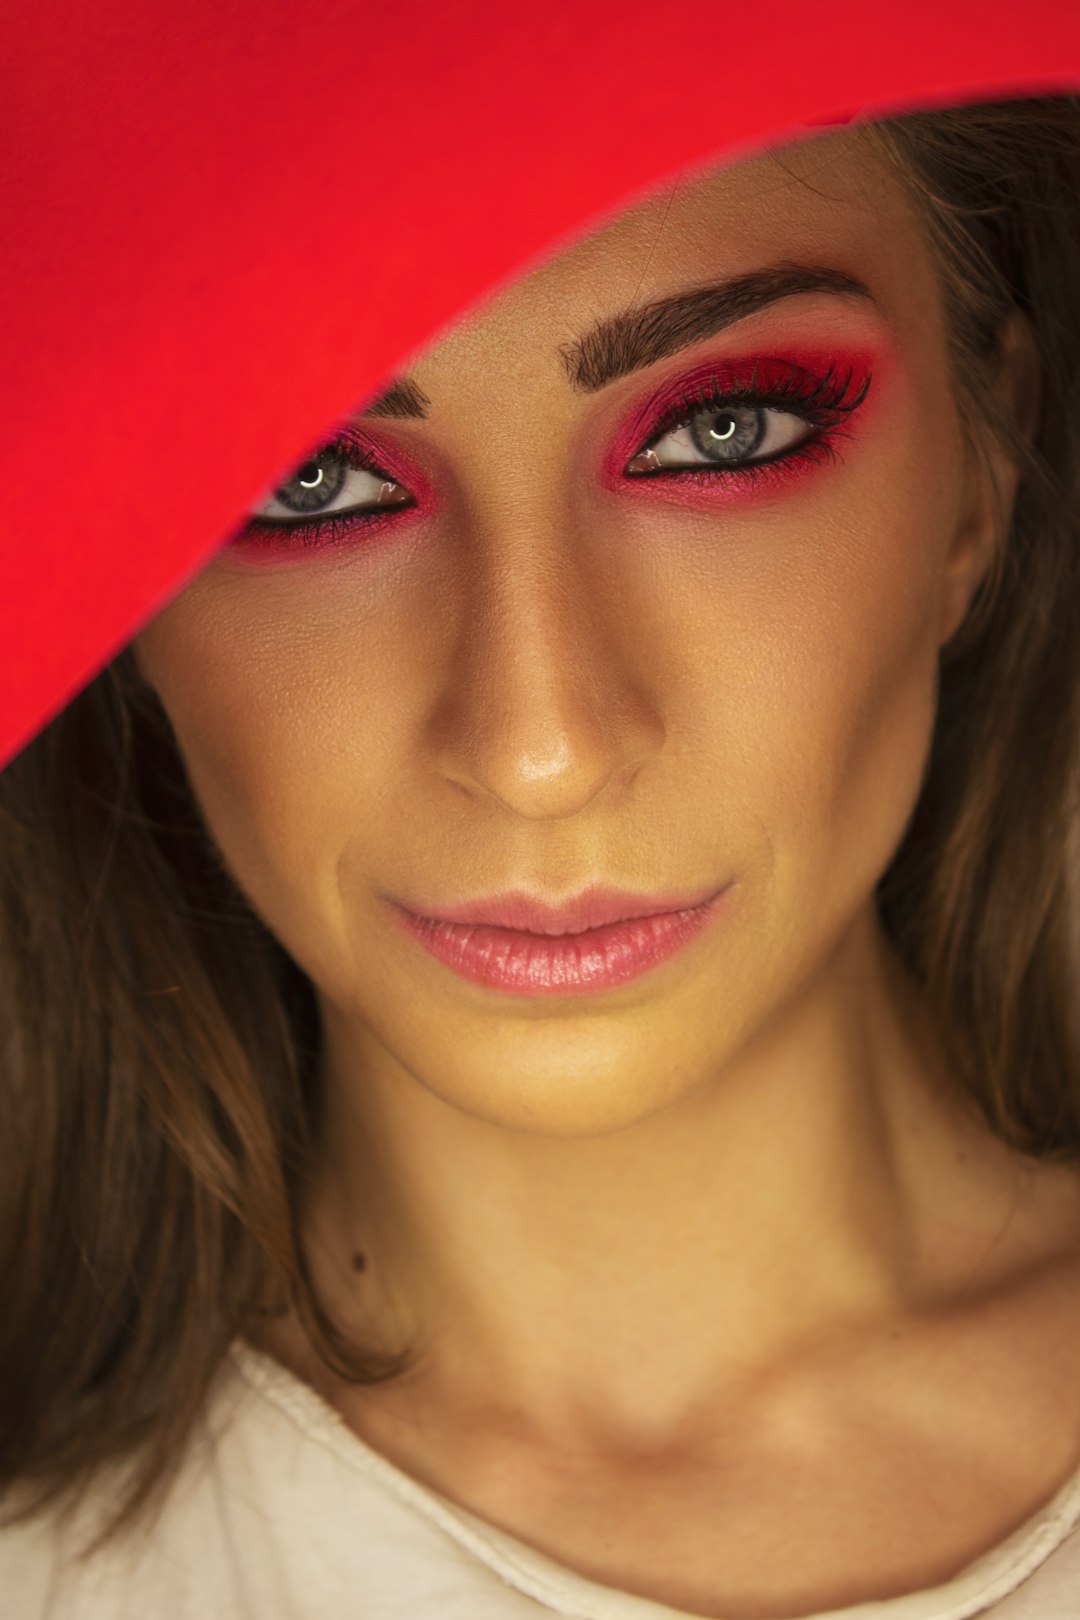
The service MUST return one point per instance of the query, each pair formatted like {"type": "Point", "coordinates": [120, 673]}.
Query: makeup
{"type": "Point", "coordinates": [821, 390]}
{"type": "Point", "coordinates": [816, 392]}
{"type": "Point", "coordinates": [573, 964]}
{"type": "Point", "coordinates": [405, 495]}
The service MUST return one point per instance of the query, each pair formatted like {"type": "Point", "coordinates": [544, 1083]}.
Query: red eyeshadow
{"type": "Point", "coordinates": [782, 381]}
{"type": "Point", "coordinates": [331, 535]}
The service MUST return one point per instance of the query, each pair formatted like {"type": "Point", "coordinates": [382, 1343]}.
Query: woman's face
{"type": "Point", "coordinates": [667, 540]}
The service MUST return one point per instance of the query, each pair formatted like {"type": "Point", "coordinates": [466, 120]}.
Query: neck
{"type": "Point", "coordinates": [792, 1195]}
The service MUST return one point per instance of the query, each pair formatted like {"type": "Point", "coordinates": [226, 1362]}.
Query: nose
{"type": "Point", "coordinates": [546, 699]}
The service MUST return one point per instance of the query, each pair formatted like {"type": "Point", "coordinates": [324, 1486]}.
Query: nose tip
{"type": "Point", "coordinates": [549, 756]}
{"type": "Point", "coordinates": [543, 712]}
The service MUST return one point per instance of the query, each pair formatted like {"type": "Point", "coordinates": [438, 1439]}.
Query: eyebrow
{"type": "Point", "coordinates": [622, 343]}
{"type": "Point", "coordinates": [403, 398]}
{"type": "Point", "coordinates": [625, 342]}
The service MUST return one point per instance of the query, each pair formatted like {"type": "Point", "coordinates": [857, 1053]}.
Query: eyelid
{"type": "Point", "coordinates": [357, 453]}
{"type": "Point", "coordinates": [682, 414]}
{"type": "Point", "coordinates": [363, 454]}
{"type": "Point", "coordinates": [652, 415]}
{"type": "Point", "coordinates": [271, 543]}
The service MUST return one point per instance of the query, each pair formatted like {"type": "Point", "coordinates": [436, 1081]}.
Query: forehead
{"type": "Point", "coordinates": [831, 200]}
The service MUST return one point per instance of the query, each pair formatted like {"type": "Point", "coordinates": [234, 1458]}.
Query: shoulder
{"type": "Point", "coordinates": [59, 1561]}
{"type": "Point", "coordinates": [277, 1510]}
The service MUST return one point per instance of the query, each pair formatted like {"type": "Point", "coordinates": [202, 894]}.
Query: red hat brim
{"type": "Point", "coordinates": [225, 224]}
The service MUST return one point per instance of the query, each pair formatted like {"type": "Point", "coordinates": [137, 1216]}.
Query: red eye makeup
{"type": "Point", "coordinates": [726, 428]}
{"type": "Point", "coordinates": [737, 426]}
{"type": "Point", "coordinates": [343, 494]}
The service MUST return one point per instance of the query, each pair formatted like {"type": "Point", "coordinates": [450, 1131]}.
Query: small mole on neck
{"type": "Point", "coordinates": [359, 1261]}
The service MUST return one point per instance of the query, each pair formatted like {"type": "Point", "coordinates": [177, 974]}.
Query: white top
{"type": "Point", "coordinates": [282, 1513]}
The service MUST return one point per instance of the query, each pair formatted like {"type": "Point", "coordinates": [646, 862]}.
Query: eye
{"type": "Point", "coordinates": [720, 435]}
{"type": "Point", "coordinates": [336, 480]}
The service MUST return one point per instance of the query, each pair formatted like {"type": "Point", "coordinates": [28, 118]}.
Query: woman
{"type": "Point", "coordinates": [560, 939]}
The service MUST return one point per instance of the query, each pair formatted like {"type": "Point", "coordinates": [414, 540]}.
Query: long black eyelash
{"type": "Point", "coordinates": [349, 449]}
{"type": "Point", "coordinates": [314, 529]}
{"type": "Point", "coordinates": [825, 403]}
{"type": "Point", "coordinates": [356, 453]}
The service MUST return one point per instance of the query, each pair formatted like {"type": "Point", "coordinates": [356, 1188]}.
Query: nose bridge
{"type": "Point", "coordinates": [544, 703]}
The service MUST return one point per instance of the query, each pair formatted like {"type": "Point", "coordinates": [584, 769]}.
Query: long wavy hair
{"type": "Point", "coordinates": [159, 1047]}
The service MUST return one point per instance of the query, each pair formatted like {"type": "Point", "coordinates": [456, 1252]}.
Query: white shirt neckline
{"type": "Point", "coordinates": [986, 1581]}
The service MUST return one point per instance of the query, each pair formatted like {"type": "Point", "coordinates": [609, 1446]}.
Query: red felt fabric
{"type": "Point", "coordinates": [224, 222]}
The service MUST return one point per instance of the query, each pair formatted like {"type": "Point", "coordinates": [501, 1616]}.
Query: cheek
{"type": "Point", "coordinates": [286, 734]}
{"type": "Point", "coordinates": [822, 623]}
{"type": "Point", "coordinates": [856, 715]}
{"type": "Point", "coordinates": [794, 657]}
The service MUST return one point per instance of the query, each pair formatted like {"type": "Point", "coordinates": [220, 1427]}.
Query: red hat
{"type": "Point", "coordinates": [227, 223]}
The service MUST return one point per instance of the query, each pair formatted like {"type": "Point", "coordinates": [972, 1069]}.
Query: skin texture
{"type": "Point", "coordinates": [706, 1268]}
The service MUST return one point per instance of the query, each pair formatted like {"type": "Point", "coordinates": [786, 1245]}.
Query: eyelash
{"type": "Point", "coordinates": [825, 403]}
{"type": "Point", "coordinates": [331, 526]}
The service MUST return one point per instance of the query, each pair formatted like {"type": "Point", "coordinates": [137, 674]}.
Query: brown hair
{"type": "Point", "coordinates": [159, 1073]}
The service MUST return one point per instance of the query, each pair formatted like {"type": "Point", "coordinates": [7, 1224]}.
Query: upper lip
{"type": "Point", "coordinates": [593, 907]}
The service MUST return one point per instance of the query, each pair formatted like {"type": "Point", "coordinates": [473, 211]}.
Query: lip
{"type": "Point", "coordinates": [594, 907]}
{"type": "Point", "coordinates": [634, 933]}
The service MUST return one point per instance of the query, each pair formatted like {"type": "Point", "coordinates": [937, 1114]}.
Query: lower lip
{"type": "Point", "coordinates": [559, 964]}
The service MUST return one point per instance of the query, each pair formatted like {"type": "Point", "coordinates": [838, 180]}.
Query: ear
{"type": "Point", "coordinates": [1013, 383]}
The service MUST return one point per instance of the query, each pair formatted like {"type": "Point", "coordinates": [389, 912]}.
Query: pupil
{"type": "Point", "coordinates": [729, 434]}
{"type": "Point", "coordinates": [314, 485]}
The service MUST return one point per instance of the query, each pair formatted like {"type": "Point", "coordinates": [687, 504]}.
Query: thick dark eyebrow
{"type": "Point", "coordinates": [402, 398]}
{"type": "Point", "coordinates": [620, 344]}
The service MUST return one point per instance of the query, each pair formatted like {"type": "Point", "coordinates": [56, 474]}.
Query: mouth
{"type": "Point", "coordinates": [593, 907]}
{"type": "Point", "coordinates": [599, 939]}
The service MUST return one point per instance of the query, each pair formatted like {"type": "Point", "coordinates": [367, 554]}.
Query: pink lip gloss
{"type": "Point", "coordinates": [560, 964]}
